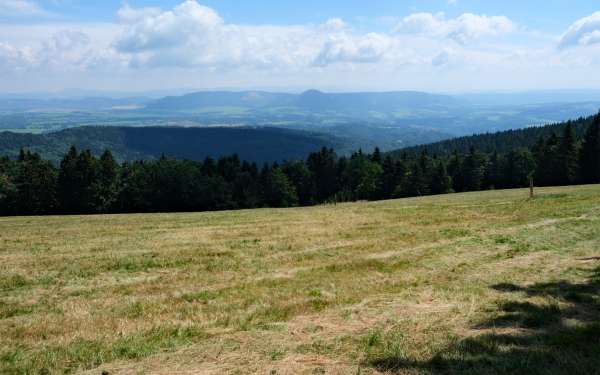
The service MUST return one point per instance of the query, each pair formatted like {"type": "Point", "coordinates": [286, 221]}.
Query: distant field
{"type": "Point", "coordinates": [476, 283]}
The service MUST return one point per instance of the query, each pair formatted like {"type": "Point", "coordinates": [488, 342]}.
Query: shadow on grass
{"type": "Point", "coordinates": [559, 337]}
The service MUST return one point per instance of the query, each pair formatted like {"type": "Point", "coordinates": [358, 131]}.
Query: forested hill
{"type": "Point", "coordinates": [254, 144]}
{"type": "Point", "coordinates": [501, 142]}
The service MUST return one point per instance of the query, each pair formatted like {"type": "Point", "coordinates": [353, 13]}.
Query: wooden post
{"type": "Point", "coordinates": [530, 187]}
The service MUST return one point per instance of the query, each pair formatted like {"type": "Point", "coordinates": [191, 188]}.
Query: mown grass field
{"type": "Point", "coordinates": [476, 283]}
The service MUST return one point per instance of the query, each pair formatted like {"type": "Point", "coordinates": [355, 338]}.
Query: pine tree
{"type": "Point", "coordinates": [441, 183]}
{"type": "Point", "coordinates": [323, 167]}
{"type": "Point", "coordinates": [589, 160]}
{"type": "Point", "coordinates": [105, 189]}
{"type": "Point", "coordinates": [300, 176]}
{"type": "Point", "coordinates": [473, 170]}
{"type": "Point", "coordinates": [35, 183]}
{"type": "Point", "coordinates": [68, 193]}
{"type": "Point", "coordinates": [279, 191]}
{"type": "Point", "coordinates": [518, 168]}
{"type": "Point", "coordinates": [455, 170]}
{"type": "Point", "coordinates": [393, 174]}
{"type": "Point", "coordinates": [376, 157]}
{"type": "Point", "coordinates": [567, 157]}
{"type": "Point", "coordinates": [548, 172]}
{"type": "Point", "coordinates": [493, 173]}
{"type": "Point", "coordinates": [86, 174]}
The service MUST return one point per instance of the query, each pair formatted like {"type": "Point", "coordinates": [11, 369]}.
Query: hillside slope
{"type": "Point", "coordinates": [135, 143]}
{"type": "Point", "coordinates": [387, 287]}
{"type": "Point", "coordinates": [501, 142]}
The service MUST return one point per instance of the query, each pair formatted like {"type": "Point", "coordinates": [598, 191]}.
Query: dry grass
{"type": "Point", "coordinates": [398, 286]}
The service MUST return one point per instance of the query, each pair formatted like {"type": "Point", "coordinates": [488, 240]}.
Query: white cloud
{"type": "Point", "coordinates": [462, 29]}
{"type": "Point", "coordinates": [192, 45]}
{"type": "Point", "coordinates": [12, 8]}
{"type": "Point", "coordinates": [584, 32]}
{"type": "Point", "coordinates": [346, 47]}
{"type": "Point", "coordinates": [193, 35]}
{"type": "Point", "coordinates": [150, 29]}
{"type": "Point", "coordinates": [11, 56]}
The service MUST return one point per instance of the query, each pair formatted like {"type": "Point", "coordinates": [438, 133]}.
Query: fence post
{"type": "Point", "coordinates": [531, 187]}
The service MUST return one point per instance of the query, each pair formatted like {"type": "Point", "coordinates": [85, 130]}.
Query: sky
{"type": "Point", "coordinates": [333, 45]}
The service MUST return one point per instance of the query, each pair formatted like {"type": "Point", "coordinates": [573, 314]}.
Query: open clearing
{"type": "Point", "coordinates": [488, 282]}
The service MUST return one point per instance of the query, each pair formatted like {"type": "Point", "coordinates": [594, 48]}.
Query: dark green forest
{"type": "Point", "coordinates": [562, 154]}
{"type": "Point", "coordinates": [256, 144]}
{"type": "Point", "coordinates": [503, 141]}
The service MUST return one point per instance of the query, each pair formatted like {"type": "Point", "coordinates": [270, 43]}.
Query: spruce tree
{"type": "Point", "coordinates": [105, 189]}
{"type": "Point", "coordinates": [589, 160]}
{"type": "Point", "coordinates": [68, 194]}
{"type": "Point", "coordinates": [567, 157]}
{"type": "Point", "coordinates": [455, 170]}
{"type": "Point", "coordinates": [279, 191]}
{"type": "Point", "coordinates": [473, 170]}
{"type": "Point", "coordinates": [35, 184]}
{"type": "Point", "coordinates": [376, 157]}
{"type": "Point", "coordinates": [441, 183]}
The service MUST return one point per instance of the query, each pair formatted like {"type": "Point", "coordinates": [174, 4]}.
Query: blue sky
{"type": "Point", "coordinates": [433, 45]}
{"type": "Point", "coordinates": [550, 15]}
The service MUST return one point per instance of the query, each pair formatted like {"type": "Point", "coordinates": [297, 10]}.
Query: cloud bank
{"type": "Point", "coordinates": [194, 43]}
{"type": "Point", "coordinates": [462, 29]}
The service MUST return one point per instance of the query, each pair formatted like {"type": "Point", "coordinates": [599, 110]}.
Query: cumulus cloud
{"type": "Point", "coordinates": [149, 29]}
{"type": "Point", "coordinates": [64, 50]}
{"type": "Point", "coordinates": [354, 49]}
{"type": "Point", "coordinates": [193, 35]}
{"type": "Point", "coordinates": [462, 29]}
{"type": "Point", "coordinates": [584, 32]}
{"type": "Point", "coordinates": [11, 56]}
{"type": "Point", "coordinates": [191, 44]}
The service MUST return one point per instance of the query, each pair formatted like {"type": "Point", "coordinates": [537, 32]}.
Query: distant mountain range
{"type": "Point", "coordinates": [313, 100]}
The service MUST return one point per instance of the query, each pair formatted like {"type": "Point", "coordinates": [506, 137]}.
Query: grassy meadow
{"type": "Point", "coordinates": [476, 283]}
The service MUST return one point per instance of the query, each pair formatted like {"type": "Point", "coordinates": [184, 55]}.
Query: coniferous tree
{"type": "Point", "coordinates": [589, 160]}
{"type": "Point", "coordinates": [85, 181]}
{"type": "Point", "coordinates": [416, 183]}
{"type": "Point", "coordinates": [364, 177]}
{"type": "Point", "coordinates": [376, 157]}
{"type": "Point", "coordinates": [246, 187]}
{"type": "Point", "coordinates": [392, 176]}
{"type": "Point", "coordinates": [68, 194]}
{"type": "Point", "coordinates": [493, 178]}
{"type": "Point", "coordinates": [519, 167]}
{"type": "Point", "coordinates": [105, 188]}
{"type": "Point", "coordinates": [567, 157]}
{"type": "Point", "coordinates": [455, 171]}
{"type": "Point", "coordinates": [8, 189]}
{"type": "Point", "coordinates": [473, 170]}
{"type": "Point", "coordinates": [441, 183]}
{"type": "Point", "coordinates": [323, 167]}
{"type": "Point", "coordinates": [279, 191]}
{"type": "Point", "coordinates": [35, 183]}
{"type": "Point", "coordinates": [300, 176]}
{"type": "Point", "coordinates": [548, 172]}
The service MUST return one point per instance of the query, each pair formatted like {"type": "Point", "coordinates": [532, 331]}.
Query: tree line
{"type": "Point", "coordinates": [502, 141]}
{"type": "Point", "coordinates": [84, 184]}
